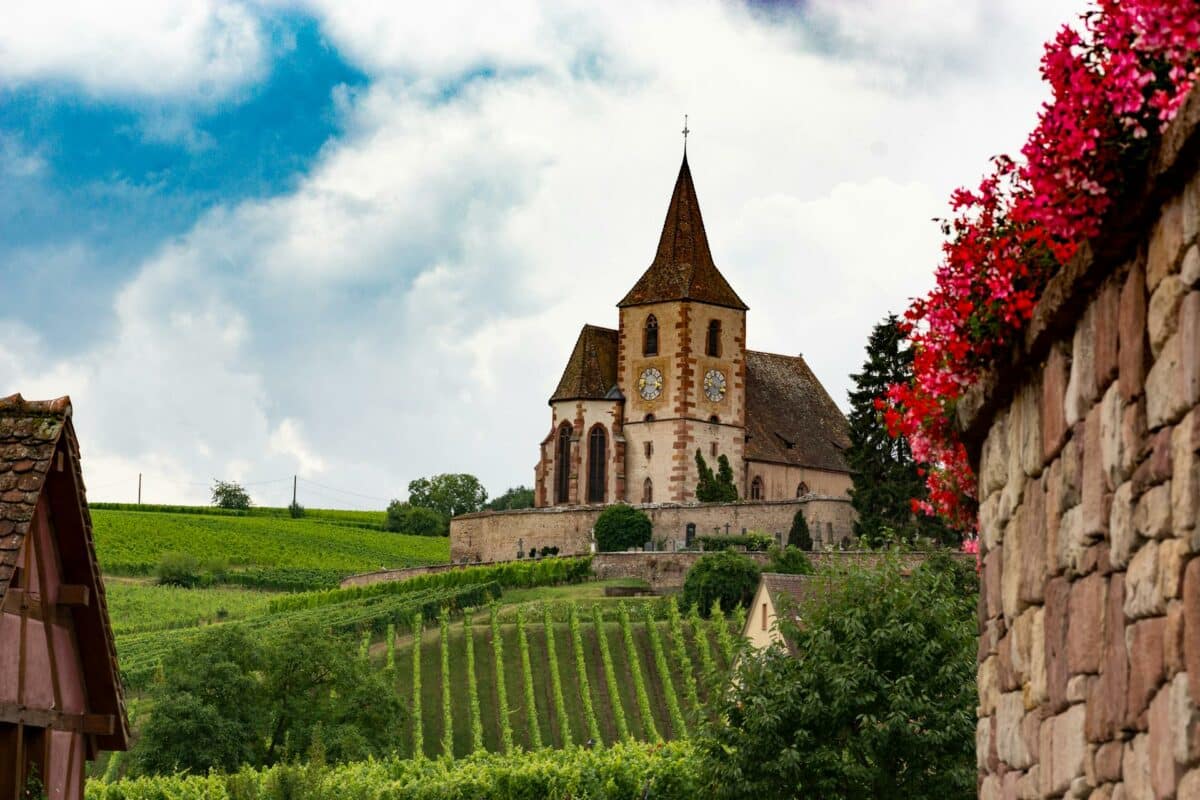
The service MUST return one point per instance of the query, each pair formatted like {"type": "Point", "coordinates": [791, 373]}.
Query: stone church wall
{"type": "Point", "coordinates": [1089, 480]}
{"type": "Point", "coordinates": [497, 536]}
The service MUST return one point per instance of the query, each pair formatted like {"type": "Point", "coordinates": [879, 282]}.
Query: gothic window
{"type": "Point", "coordinates": [713, 344]}
{"type": "Point", "coordinates": [562, 465]}
{"type": "Point", "coordinates": [802, 489]}
{"type": "Point", "coordinates": [650, 345]}
{"type": "Point", "coordinates": [648, 491]}
{"type": "Point", "coordinates": [649, 449]}
{"type": "Point", "coordinates": [756, 488]}
{"type": "Point", "coordinates": [597, 466]}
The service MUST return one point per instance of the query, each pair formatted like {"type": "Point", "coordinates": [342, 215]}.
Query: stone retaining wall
{"type": "Point", "coordinates": [497, 536]}
{"type": "Point", "coordinates": [1089, 478]}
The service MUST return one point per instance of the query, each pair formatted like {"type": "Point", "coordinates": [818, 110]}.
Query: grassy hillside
{"type": "Point", "coordinates": [131, 542]}
{"type": "Point", "coordinates": [137, 607]}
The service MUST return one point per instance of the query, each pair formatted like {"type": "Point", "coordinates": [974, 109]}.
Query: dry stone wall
{"type": "Point", "coordinates": [1089, 480]}
{"type": "Point", "coordinates": [497, 536]}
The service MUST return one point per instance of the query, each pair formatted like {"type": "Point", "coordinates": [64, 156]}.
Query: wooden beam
{"type": "Point", "coordinates": [98, 724]}
{"type": "Point", "coordinates": [74, 594]}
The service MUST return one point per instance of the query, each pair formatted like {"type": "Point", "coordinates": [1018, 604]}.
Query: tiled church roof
{"type": "Point", "coordinates": [683, 268]}
{"type": "Point", "coordinates": [591, 372]}
{"type": "Point", "coordinates": [790, 418]}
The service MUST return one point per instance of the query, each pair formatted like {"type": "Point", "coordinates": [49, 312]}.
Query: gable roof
{"type": "Point", "coordinates": [591, 371]}
{"type": "Point", "coordinates": [683, 267]}
{"type": "Point", "coordinates": [39, 459]}
{"type": "Point", "coordinates": [792, 591]}
{"type": "Point", "coordinates": [790, 418]}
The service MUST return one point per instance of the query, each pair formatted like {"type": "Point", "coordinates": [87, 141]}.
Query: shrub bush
{"type": "Point", "coordinates": [790, 561]}
{"type": "Point", "coordinates": [179, 569]}
{"type": "Point", "coordinates": [620, 527]}
{"type": "Point", "coordinates": [754, 542]}
{"type": "Point", "coordinates": [799, 535]}
{"type": "Point", "coordinates": [415, 520]}
{"type": "Point", "coordinates": [725, 578]}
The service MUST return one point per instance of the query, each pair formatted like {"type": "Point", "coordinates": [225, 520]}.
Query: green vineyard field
{"type": "Point", "coordinates": [132, 542]}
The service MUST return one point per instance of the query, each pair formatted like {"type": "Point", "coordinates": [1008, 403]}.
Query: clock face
{"type": "Point", "coordinates": [650, 384]}
{"type": "Point", "coordinates": [714, 385]}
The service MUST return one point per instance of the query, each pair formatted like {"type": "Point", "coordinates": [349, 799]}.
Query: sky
{"type": "Point", "coordinates": [355, 241]}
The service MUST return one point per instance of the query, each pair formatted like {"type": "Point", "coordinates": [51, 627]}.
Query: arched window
{"type": "Point", "coordinates": [650, 343]}
{"type": "Point", "coordinates": [648, 491]}
{"type": "Point", "coordinates": [597, 466]}
{"type": "Point", "coordinates": [713, 345]}
{"type": "Point", "coordinates": [714, 419]}
{"type": "Point", "coordinates": [802, 489]}
{"type": "Point", "coordinates": [756, 488]}
{"type": "Point", "coordinates": [648, 418]}
{"type": "Point", "coordinates": [562, 465]}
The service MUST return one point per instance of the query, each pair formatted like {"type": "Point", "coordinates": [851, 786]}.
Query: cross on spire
{"type": "Point", "coordinates": [685, 132]}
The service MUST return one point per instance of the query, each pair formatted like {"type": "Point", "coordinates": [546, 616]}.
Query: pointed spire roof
{"type": "Point", "coordinates": [683, 267]}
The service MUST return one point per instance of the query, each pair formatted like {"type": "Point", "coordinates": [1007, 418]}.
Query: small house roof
{"type": "Point", "coordinates": [591, 371]}
{"type": "Point", "coordinates": [792, 590]}
{"type": "Point", "coordinates": [683, 267]}
{"type": "Point", "coordinates": [39, 456]}
{"type": "Point", "coordinates": [790, 418]}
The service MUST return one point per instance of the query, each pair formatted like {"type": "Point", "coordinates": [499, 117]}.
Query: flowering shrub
{"type": "Point", "coordinates": [1116, 80]}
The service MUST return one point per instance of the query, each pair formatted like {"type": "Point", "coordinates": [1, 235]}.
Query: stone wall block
{"type": "Point", "coordinates": [1115, 458]}
{"type": "Point", "coordinates": [1122, 533]}
{"type": "Point", "coordinates": [993, 581]}
{"type": "Point", "coordinates": [1020, 641]}
{"type": "Point", "coordinates": [1144, 641]}
{"type": "Point", "coordinates": [984, 742]}
{"type": "Point", "coordinates": [1156, 463]}
{"type": "Point", "coordinates": [1081, 384]}
{"type": "Point", "coordinates": [1085, 632]}
{"type": "Point", "coordinates": [1172, 558]}
{"type": "Point", "coordinates": [1189, 786]}
{"type": "Point", "coordinates": [1010, 745]}
{"type": "Point", "coordinates": [1164, 399]}
{"type": "Point", "coordinates": [1189, 332]}
{"type": "Point", "coordinates": [1142, 598]}
{"type": "Point", "coordinates": [1173, 660]}
{"type": "Point", "coordinates": [1030, 430]}
{"type": "Point", "coordinates": [1189, 271]}
{"type": "Point", "coordinates": [1037, 691]}
{"type": "Point", "coordinates": [1166, 243]}
{"type": "Point", "coordinates": [1184, 722]}
{"type": "Point", "coordinates": [1025, 571]}
{"type": "Point", "coordinates": [988, 686]}
{"type": "Point", "coordinates": [1185, 474]}
{"type": "Point", "coordinates": [1132, 355]}
{"type": "Point", "coordinates": [1012, 494]}
{"type": "Point", "coordinates": [1105, 353]}
{"type": "Point", "coordinates": [993, 458]}
{"type": "Point", "coordinates": [1070, 748]}
{"type": "Point", "coordinates": [1191, 625]}
{"type": "Point", "coordinates": [1054, 395]}
{"type": "Point", "coordinates": [991, 528]}
{"type": "Point", "coordinates": [1152, 512]}
{"type": "Point", "coordinates": [1055, 626]}
{"type": "Point", "coordinates": [1106, 764]}
{"type": "Point", "coordinates": [1162, 318]}
{"type": "Point", "coordinates": [1164, 771]}
{"type": "Point", "coordinates": [1096, 495]}
{"type": "Point", "coordinates": [1135, 768]}
{"type": "Point", "coordinates": [1072, 543]}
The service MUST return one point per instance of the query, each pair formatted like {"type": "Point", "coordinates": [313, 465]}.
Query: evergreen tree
{"type": "Point", "coordinates": [718, 488]}
{"type": "Point", "coordinates": [886, 478]}
{"type": "Point", "coordinates": [799, 536]}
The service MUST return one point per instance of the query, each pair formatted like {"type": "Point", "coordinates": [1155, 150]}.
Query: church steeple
{"type": "Point", "coordinates": [683, 267]}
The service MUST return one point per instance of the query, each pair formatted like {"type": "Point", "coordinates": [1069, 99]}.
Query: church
{"type": "Point", "coordinates": [635, 404]}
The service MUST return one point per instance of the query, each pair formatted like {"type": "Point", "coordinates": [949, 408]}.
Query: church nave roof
{"type": "Point", "coordinates": [591, 372]}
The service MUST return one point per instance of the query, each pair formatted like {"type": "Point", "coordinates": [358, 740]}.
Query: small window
{"type": "Point", "coordinates": [648, 418]}
{"type": "Point", "coordinates": [764, 616]}
{"type": "Point", "coordinates": [714, 449]}
{"type": "Point", "coordinates": [597, 466]}
{"type": "Point", "coordinates": [648, 491]}
{"type": "Point", "coordinates": [714, 419]}
{"type": "Point", "coordinates": [649, 449]}
{"type": "Point", "coordinates": [802, 489]}
{"type": "Point", "coordinates": [713, 344]}
{"type": "Point", "coordinates": [650, 341]}
{"type": "Point", "coordinates": [829, 530]}
{"type": "Point", "coordinates": [756, 488]}
{"type": "Point", "coordinates": [562, 465]}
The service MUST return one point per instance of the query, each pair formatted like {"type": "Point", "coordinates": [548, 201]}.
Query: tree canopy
{"type": "Point", "coordinates": [723, 577]}
{"type": "Point", "coordinates": [620, 527]}
{"type": "Point", "coordinates": [874, 699]}
{"type": "Point", "coordinates": [515, 497]}
{"type": "Point", "coordinates": [718, 488]}
{"type": "Point", "coordinates": [229, 494]}
{"type": "Point", "coordinates": [449, 494]}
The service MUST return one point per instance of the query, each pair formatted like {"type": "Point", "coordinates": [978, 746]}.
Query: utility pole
{"type": "Point", "coordinates": [139, 488]}
{"type": "Point", "coordinates": [293, 490]}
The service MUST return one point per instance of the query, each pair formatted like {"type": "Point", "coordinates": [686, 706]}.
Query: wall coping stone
{"type": "Point", "coordinates": [652, 506]}
{"type": "Point", "coordinates": [1165, 174]}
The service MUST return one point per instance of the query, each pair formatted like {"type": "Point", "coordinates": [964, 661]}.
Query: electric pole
{"type": "Point", "coordinates": [139, 488]}
{"type": "Point", "coordinates": [293, 490]}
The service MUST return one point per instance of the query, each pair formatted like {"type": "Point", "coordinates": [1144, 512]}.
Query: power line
{"type": "Point", "coordinates": [347, 491]}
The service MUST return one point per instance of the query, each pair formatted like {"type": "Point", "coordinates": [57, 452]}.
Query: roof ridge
{"type": "Point", "coordinates": [15, 405]}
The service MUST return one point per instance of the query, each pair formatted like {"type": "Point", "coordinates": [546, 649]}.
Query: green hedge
{"type": "Point", "coordinates": [624, 771]}
{"type": "Point", "coordinates": [753, 542]}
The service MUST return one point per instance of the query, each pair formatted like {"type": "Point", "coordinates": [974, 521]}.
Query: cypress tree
{"type": "Point", "coordinates": [799, 536]}
{"type": "Point", "coordinates": [886, 478]}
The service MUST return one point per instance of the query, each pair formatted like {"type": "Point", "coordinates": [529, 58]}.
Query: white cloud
{"type": "Point", "coordinates": [201, 49]}
{"type": "Point", "coordinates": [408, 308]}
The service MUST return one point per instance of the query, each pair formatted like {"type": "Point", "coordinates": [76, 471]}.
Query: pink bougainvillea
{"type": "Point", "coordinates": [1117, 79]}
